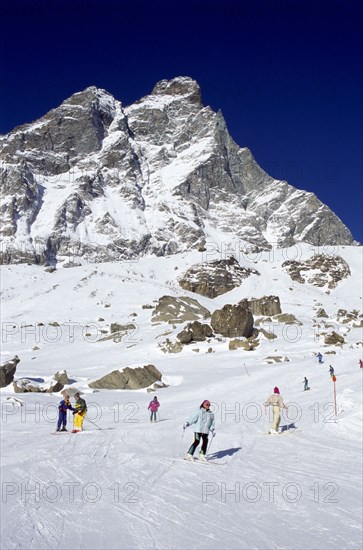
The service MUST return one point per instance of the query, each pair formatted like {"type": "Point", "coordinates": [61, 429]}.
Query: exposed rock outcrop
{"type": "Point", "coordinates": [196, 331]}
{"type": "Point", "coordinates": [62, 377]}
{"type": "Point", "coordinates": [334, 338]}
{"type": "Point", "coordinates": [128, 378]}
{"type": "Point", "coordinates": [176, 310]}
{"type": "Point", "coordinates": [7, 371]}
{"type": "Point", "coordinates": [233, 320]}
{"type": "Point", "coordinates": [28, 385]}
{"type": "Point", "coordinates": [214, 278]}
{"type": "Point", "coordinates": [267, 305]}
{"type": "Point", "coordinates": [319, 270]}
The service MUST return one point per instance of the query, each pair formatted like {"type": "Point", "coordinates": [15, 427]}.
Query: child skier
{"type": "Point", "coordinates": [277, 404]}
{"type": "Point", "coordinates": [79, 413]}
{"type": "Point", "coordinates": [203, 421]}
{"type": "Point", "coordinates": [63, 407]}
{"type": "Point", "coordinates": [153, 408]}
{"type": "Point", "coordinates": [306, 384]}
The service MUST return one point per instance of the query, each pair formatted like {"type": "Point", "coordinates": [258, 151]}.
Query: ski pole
{"type": "Point", "coordinates": [94, 423]}
{"type": "Point", "coordinates": [181, 442]}
{"type": "Point", "coordinates": [210, 444]}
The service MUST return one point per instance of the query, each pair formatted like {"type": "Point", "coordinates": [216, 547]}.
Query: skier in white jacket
{"type": "Point", "coordinates": [277, 403]}
{"type": "Point", "coordinates": [203, 422]}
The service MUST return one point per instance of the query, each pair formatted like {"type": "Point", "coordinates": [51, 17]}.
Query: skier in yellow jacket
{"type": "Point", "coordinates": [80, 412]}
{"type": "Point", "coordinates": [277, 403]}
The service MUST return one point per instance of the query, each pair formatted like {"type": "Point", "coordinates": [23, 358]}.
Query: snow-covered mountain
{"type": "Point", "coordinates": [94, 180]}
{"type": "Point", "coordinates": [207, 239]}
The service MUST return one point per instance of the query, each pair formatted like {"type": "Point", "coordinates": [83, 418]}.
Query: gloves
{"type": "Point", "coordinates": [185, 425]}
{"type": "Point", "coordinates": [213, 433]}
{"type": "Point", "coordinates": [74, 412]}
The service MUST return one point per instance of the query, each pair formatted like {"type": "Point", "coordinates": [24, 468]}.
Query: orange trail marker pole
{"type": "Point", "coordinates": [334, 378]}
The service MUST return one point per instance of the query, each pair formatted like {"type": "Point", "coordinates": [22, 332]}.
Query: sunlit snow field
{"type": "Point", "coordinates": [119, 484]}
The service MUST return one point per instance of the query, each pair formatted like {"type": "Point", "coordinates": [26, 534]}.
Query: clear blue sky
{"type": "Point", "coordinates": [287, 75]}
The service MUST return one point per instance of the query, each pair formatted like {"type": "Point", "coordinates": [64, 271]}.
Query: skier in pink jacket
{"type": "Point", "coordinates": [153, 408]}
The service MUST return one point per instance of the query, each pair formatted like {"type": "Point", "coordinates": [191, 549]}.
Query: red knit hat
{"type": "Point", "coordinates": [276, 389]}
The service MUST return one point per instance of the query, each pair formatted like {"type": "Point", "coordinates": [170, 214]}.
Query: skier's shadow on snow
{"type": "Point", "coordinates": [288, 427]}
{"type": "Point", "coordinates": [226, 452]}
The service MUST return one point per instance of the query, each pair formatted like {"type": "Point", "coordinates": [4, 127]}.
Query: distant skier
{"type": "Point", "coordinates": [79, 413]}
{"type": "Point", "coordinates": [361, 363]}
{"type": "Point", "coordinates": [277, 403]}
{"type": "Point", "coordinates": [63, 407]}
{"type": "Point", "coordinates": [331, 371]}
{"type": "Point", "coordinates": [203, 423]}
{"type": "Point", "coordinates": [153, 408]}
{"type": "Point", "coordinates": [306, 384]}
{"type": "Point", "coordinates": [320, 357]}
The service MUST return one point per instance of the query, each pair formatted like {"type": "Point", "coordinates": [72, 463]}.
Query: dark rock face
{"type": "Point", "coordinates": [197, 332]}
{"type": "Point", "coordinates": [320, 270]}
{"type": "Point", "coordinates": [333, 339]}
{"type": "Point", "coordinates": [128, 379]}
{"type": "Point", "coordinates": [267, 305]}
{"type": "Point", "coordinates": [321, 312]}
{"type": "Point", "coordinates": [214, 278]}
{"type": "Point", "coordinates": [75, 169]}
{"type": "Point", "coordinates": [7, 371]}
{"type": "Point", "coordinates": [62, 377]}
{"type": "Point", "coordinates": [233, 320]}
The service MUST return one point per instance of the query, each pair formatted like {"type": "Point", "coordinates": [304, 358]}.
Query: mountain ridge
{"type": "Point", "coordinates": [160, 176]}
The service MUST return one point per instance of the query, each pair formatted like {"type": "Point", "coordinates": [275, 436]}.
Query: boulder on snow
{"type": "Point", "coordinates": [267, 305]}
{"type": "Point", "coordinates": [246, 345]}
{"type": "Point", "coordinates": [333, 338]}
{"type": "Point", "coordinates": [62, 377]}
{"type": "Point", "coordinates": [27, 385]}
{"type": "Point", "coordinates": [320, 270]}
{"type": "Point", "coordinates": [196, 331]}
{"type": "Point", "coordinates": [170, 309]}
{"type": "Point", "coordinates": [7, 371]}
{"type": "Point", "coordinates": [233, 320]}
{"type": "Point", "coordinates": [216, 277]}
{"type": "Point", "coordinates": [287, 318]}
{"type": "Point", "coordinates": [171, 347]}
{"type": "Point", "coordinates": [128, 378]}
{"type": "Point", "coordinates": [321, 312]}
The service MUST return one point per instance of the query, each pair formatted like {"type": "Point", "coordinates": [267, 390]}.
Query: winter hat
{"type": "Point", "coordinates": [155, 398]}
{"type": "Point", "coordinates": [276, 389]}
{"type": "Point", "coordinates": [76, 395]}
{"type": "Point", "coordinates": [205, 402]}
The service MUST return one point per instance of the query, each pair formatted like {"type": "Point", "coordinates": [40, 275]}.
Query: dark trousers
{"type": "Point", "coordinates": [194, 445]}
{"type": "Point", "coordinates": [62, 419]}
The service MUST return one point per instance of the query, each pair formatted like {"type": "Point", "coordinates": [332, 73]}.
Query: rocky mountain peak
{"type": "Point", "coordinates": [180, 86]}
{"type": "Point", "coordinates": [93, 181]}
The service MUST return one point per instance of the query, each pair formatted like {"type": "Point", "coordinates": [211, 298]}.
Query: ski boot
{"type": "Point", "coordinates": [188, 457]}
{"type": "Point", "coordinates": [202, 457]}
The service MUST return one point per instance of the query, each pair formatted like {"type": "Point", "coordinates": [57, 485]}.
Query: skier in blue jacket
{"type": "Point", "coordinates": [63, 407]}
{"type": "Point", "coordinates": [203, 423]}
